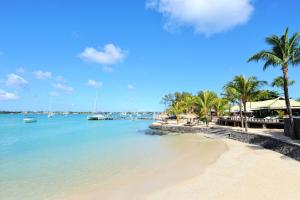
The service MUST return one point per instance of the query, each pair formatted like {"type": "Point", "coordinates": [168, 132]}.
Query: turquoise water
{"type": "Point", "coordinates": [66, 156]}
{"type": "Point", "coordinates": [53, 157]}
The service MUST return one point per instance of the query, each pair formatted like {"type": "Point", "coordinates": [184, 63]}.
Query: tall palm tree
{"type": "Point", "coordinates": [205, 102]}
{"type": "Point", "coordinates": [284, 51]}
{"type": "Point", "coordinates": [246, 89]}
{"type": "Point", "coordinates": [279, 82]}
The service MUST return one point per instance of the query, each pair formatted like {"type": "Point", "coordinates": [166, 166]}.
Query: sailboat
{"type": "Point", "coordinates": [95, 116]}
{"type": "Point", "coordinates": [51, 114]}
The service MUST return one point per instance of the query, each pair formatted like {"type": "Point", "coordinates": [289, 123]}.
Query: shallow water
{"type": "Point", "coordinates": [69, 156]}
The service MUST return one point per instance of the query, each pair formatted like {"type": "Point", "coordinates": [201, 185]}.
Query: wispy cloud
{"type": "Point", "coordinates": [130, 87]}
{"type": "Point", "coordinates": [64, 88]}
{"type": "Point", "coordinates": [107, 69]}
{"type": "Point", "coordinates": [15, 80]}
{"type": "Point", "coordinates": [94, 84]}
{"type": "Point", "coordinates": [7, 96]}
{"type": "Point", "coordinates": [54, 94]}
{"type": "Point", "coordinates": [206, 17]}
{"type": "Point", "coordinates": [20, 70]}
{"type": "Point", "coordinates": [42, 74]}
{"type": "Point", "coordinates": [110, 54]}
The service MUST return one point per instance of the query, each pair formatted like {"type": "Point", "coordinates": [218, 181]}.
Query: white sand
{"type": "Point", "coordinates": [243, 172]}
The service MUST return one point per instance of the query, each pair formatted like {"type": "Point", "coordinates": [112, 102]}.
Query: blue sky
{"type": "Point", "coordinates": [57, 54]}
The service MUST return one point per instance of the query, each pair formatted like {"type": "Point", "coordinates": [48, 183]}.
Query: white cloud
{"type": "Point", "coordinates": [107, 69]}
{"type": "Point", "coordinates": [94, 84]}
{"type": "Point", "coordinates": [42, 75]}
{"type": "Point", "coordinates": [20, 70]}
{"type": "Point", "coordinates": [15, 81]}
{"type": "Point", "coordinates": [64, 88]}
{"type": "Point", "coordinates": [7, 96]}
{"type": "Point", "coordinates": [205, 16]}
{"type": "Point", "coordinates": [54, 94]}
{"type": "Point", "coordinates": [130, 87]}
{"type": "Point", "coordinates": [111, 54]}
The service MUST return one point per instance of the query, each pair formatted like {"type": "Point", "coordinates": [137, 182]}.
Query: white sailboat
{"type": "Point", "coordinates": [96, 116]}
{"type": "Point", "coordinates": [50, 113]}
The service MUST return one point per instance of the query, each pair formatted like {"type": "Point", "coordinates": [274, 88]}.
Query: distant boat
{"type": "Point", "coordinates": [51, 114]}
{"type": "Point", "coordinates": [30, 119]}
{"type": "Point", "coordinates": [96, 117]}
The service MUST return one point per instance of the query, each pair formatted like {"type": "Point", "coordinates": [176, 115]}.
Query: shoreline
{"type": "Point", "coordinates": [242, 172]}
{"type": "Point", "coordinates": [274, 142]}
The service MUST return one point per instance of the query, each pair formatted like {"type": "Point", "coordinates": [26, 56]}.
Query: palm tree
{"type": "Point", "coordinates": [246, 89]}
{"type": "Point", "coordinates": [279, 82]}
{"type": "Point", "coordinates": [266, 95]}
{"type": "Point", "coordinates": [220, 105]}
{"type": "Point", "coordinates": [176, 109]}
{"type": "Point", "coordinates": [285, 51]}
{"type": "Point", "coordinates": [205, 103]}
{"type": "Point", "coordinates": [231, 96]}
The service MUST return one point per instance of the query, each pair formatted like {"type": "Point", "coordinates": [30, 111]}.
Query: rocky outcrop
{"type": "Point", "coordinates": [283, 147]}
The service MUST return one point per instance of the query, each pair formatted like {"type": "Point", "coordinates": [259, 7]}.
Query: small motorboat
{"type": "Point", "coordinates": [95, 117]}
{"type": "Point", "coordinates": [30, 119]}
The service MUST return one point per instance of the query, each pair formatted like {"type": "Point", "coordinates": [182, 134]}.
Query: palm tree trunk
{"type": "Point", "coordinates": [245, 111]}
{"type": "Point", "coordinates": [241, 115]}
{"type": "Point", "coordinates": [287, 101]}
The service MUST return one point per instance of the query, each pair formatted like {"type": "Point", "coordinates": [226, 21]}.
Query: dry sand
{"type": "Point", "coordinates": [243, 172]}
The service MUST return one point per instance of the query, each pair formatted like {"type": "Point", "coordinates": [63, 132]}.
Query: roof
{"type": "Point", "coordinates": [273, 104]}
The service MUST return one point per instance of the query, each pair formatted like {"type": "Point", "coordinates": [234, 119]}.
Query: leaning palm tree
{"type": "Point", "coordinates": [205, 103]}
{"type": "Point", "coordinates": [279, 82]}
{"type": "Point", "coordinates": [285, 51]}
{"type": "Point", "coordinates": [246, 89]}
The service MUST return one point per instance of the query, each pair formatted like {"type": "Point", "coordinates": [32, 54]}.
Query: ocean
{"type": "Point", "coordinates": [69, 157]}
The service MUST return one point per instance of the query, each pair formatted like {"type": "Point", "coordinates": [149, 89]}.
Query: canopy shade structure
{"type": "Point", "coordinates": [189, 116]}
{"type": "Point", "coordinates": [273, 104]}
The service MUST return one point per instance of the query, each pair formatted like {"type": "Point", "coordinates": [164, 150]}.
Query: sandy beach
{"type": "Point", "coordinates": [234, 171]}
{"type": "Point", "coordinates": [242, 172]}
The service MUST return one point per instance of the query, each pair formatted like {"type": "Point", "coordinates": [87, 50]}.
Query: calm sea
{"type": "Point", "coordinates": [59, 157]}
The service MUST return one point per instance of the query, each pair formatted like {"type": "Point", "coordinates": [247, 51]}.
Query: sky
{"type": "Point", "coordinates": [62, 54]}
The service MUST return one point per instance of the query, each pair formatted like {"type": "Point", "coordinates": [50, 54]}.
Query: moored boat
{"type": "Point", "coordinates": [95, 117]}
{"type": "Point", "coordinates": [30, 119]}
